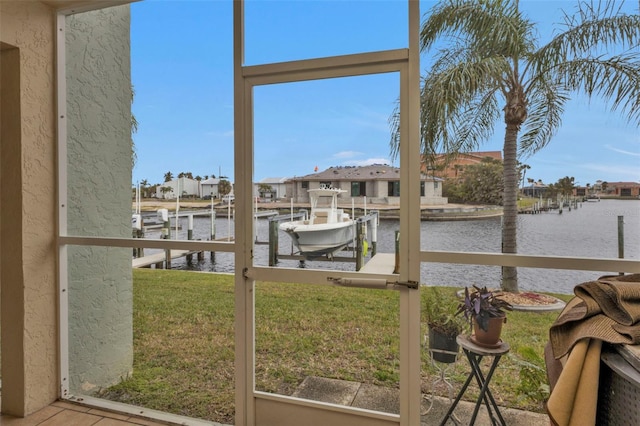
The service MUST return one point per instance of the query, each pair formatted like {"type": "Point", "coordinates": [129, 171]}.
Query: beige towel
{"type": "Point", "coordinates": [574, 399]}
{"type": "Point", "coordinates": [607, 309]}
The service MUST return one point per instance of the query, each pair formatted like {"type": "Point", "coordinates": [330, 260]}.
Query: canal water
{"type": "Point", "coordinates": [591, 230]}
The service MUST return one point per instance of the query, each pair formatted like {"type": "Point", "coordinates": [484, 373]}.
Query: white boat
{"type": "Point", "coordinates": [328, 228]}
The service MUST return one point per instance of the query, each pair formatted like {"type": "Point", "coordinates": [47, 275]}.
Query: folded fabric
{"type": "Point", "coordinates": [574, 399]}
{"type": "Point", "coordinates": [607, 309]}
{"type": "Point", "coordinates": [618, 300]}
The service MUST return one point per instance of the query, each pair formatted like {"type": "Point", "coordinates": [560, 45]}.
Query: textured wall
{"type": "Point", "coordinates": [99, 197]}
{"type": "Point", "coordinates": [28, 261]}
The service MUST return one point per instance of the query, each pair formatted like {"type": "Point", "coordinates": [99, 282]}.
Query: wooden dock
{"type": "Point", "coordinates": [381, 263]}
{"type": "Point", "coordinates": [159, 259]}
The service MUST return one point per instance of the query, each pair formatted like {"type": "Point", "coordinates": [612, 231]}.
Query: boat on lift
{"type": "Point", "coordinates": [327, 230]}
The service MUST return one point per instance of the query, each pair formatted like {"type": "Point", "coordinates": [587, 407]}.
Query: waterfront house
{"type": "Point", "coordinates": [271, 188]}
{"type": "Point", "coordinates": [209, 188]}
{"type": "Point", "coordinates": [621, 189]}
{"type": "Point", "coordinates": [535, 189]}
{"type": "Point", "coordinates": [183, 186]}
{"type": "Point", "coordinates": [379, 183]}
{"type": "Point", "coordinates": [610, 189]}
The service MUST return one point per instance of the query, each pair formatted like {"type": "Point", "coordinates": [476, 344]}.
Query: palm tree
{"type": "Point", "coordinates": [566, 185]}
{"type": "Point", "coordinates": [224, 187]}
{"type": "Point", "coordinates": [144, 183]}
{"type": "Point", "coordinates": [168, 177]}
{"type": "Point", "coordinates": [490, 67]}
{"type": "Point", "coordinates": [522, 168]}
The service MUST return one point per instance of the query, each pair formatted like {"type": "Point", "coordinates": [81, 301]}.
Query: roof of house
{"type": "Point", "coordinates": [536, 185]}
{"type": "Point", "coordinates": [371, 172]}
{"type": "Point", "coordinates": [211, 181]}
{"type": "Point", "coordinates": [274, 180]}
{"type": "Point", "coordinates": [623, 183]}
{"type": "Point", "coordinates": [497, 155]}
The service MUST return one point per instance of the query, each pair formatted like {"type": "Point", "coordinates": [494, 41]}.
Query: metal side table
{"type": "Point", "coordinates": [443, 368]}
{"type": "Point", "coordinates": [474, 354]}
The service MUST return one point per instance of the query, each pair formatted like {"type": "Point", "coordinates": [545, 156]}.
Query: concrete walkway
{"type": "Point", "coordinates": [387, 400]}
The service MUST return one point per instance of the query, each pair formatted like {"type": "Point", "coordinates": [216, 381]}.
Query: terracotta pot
{"type": "Point", "coordinates": [491, 337]}
{"type": "Point", "coordinates": [441, 342]}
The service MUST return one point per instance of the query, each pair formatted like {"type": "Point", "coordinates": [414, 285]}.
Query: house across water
{"type": "Point", "coordinates": [379, 183]}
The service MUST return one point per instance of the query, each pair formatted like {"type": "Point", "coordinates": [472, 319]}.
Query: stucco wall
{"type": "Point", "coordinates": [28, 262]}
{"type": "Point", "coordinates": [99, 197]}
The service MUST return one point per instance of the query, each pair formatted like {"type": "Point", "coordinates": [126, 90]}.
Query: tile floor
{"type": "Point", "coordinates": [67, 414]}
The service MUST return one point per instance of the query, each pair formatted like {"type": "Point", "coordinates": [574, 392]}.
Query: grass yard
{"type": "Point", "coordinates": [184, 343]}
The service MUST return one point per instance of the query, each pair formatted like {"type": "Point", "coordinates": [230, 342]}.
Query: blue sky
{"type": "Point", "coordinates": [182, 72]}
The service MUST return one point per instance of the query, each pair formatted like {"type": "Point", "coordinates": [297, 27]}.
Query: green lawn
{"type": "Point", "coordinates": [184, 343]}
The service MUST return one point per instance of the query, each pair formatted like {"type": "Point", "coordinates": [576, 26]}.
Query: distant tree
{"type": "Point", "coordinates": [168, 177]}
{"type": "Point", "coordinates": [181, 175]}
{"type": "Point", "coordinates": [565, 186]}
{"type": "Point", "coordinates": [264, 189]}
{"type": "Point", "coordinates": [457, 168]}
{"type": "Point", "coordinates": [522, 171]}
{"type": "Point", "coordinates": [199, 178]}
{"type": "Point", "coordinates": [605, 185]}
{"type": "Point", "coordinates": [143, 186]}
{"type": "Point", "coordinates": [478, 184]}
{"type": "Point", "coordinates": [165, 189]}
{"type": "Point", "coordinates": [224, 187]}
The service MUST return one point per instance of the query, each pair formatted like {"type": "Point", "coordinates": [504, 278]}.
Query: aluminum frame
{"type": "Point", "coordinates": [403, 61]}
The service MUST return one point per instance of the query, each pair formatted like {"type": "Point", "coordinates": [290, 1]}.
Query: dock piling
{"type": "Point", "coordinates": [621, 239]}
{"type": "Point", "coordinates": [359, 243]}
{"type": "Point", "coordinates": [273, 242]}
{"type": "Point", "coordinates": [189, 235]}
{"type": "Point", "coordinates": [213, 232]}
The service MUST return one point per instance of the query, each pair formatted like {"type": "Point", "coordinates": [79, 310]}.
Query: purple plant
{"type": "Point", "coordinates": [482, 304]}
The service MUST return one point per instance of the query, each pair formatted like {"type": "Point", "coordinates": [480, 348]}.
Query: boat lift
{"type": "Point", "coordinates": [359, 247]}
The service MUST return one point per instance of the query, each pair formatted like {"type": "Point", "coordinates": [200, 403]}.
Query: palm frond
{"type": "Point", "coordinates": [491, 27]}
{"type": "Point", "coordinates": [546, 106]}
{"type": "Point", "coordinates": [616, 80]}
{"type": "Point", "coordinates": [477, 123]}
{"type": "Point", "coordinates": [459, 105]}
{"type": "Point", "coordinates": [599, 31]}
{"type": "Point", "coordinates": [394, 127]}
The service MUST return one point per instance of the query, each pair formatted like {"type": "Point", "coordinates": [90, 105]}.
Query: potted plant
{"type": "Point", "coordinates": [444, 325]}
{"type": "Point", "coordinates": [486, 313]}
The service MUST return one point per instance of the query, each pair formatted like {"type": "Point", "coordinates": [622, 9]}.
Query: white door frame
{"type": "Point", "coordinates": [257, 408]}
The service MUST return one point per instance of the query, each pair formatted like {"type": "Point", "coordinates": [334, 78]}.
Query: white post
{"type": "Point", "coordinates": [177, 206]}
{"type": "Point", "coordinates": [228, 218]}
{"type": "Point", "coordinates": [213, 221]}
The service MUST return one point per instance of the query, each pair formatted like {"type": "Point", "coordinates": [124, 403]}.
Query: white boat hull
{"type": "Point", "coordinates": [319, 239]}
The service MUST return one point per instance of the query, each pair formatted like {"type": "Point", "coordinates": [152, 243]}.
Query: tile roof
{"type": "Point", "coordinates": [372, 172]}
